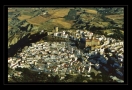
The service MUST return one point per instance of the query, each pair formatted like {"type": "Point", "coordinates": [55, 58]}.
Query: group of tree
{"type": "Point", "coordinates": [33, 77]}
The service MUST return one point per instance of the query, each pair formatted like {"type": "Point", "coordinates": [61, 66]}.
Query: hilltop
{"type": "Point", "coordinates": [32, 20]}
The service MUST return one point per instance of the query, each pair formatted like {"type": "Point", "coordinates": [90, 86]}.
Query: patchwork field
{"type": "Point", "coordinates": [37, 20]}
{"type": "Point", "coordinates": [100, 24]}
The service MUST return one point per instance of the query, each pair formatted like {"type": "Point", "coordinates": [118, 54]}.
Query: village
{"type": "Point", "coordinates": [80, 52]}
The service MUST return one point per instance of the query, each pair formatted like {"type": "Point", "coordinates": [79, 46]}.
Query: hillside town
{"type": "Point", "coordinates": [81, 52]}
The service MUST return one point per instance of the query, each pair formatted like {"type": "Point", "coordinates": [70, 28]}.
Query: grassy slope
{"type": "Point", "coordinates": [100, 24]}
{"type": "Point", "coordinates": [116, 18]}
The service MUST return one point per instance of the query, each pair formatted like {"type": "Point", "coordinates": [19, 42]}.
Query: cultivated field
{"type": "Point", "coordinates": [22, 17]}
{"type": "Point", "coordinates": [91, 11]}
{"type": "Point", "coordinates": [62, 22]}
{"type": "Point", "coordinates": [37, 20]}
{"type": "Point", "coordinates": [54, 17]}
{"type": "Point", "coordinates": [59, 12]}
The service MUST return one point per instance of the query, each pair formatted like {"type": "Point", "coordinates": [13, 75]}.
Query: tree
{"type": "Point", "coordinates": [68, 77]}
{"type": "Point", "coordinates": [79, 78]}
{"type": "Point", "coordinates": [71, 14]}
{"type": "Point", "coordinates": [56, 78]}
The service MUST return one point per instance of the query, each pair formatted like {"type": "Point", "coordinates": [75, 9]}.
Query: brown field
{"type": "Point", "coordinates": [62, 22]}
{"type": "Point", "coordinates": [115, 16]}
{"type": "Point", "coordinates": [59, 13]}
{"type": "Point", "coordinates": [60, 10]}
{"type": "Point", "coordinates": [22, 17]}
{"type": "Point", "coordinates": [37, 20]}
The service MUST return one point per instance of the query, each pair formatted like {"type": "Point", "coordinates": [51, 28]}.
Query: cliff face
{"type": "Point", "coordinates": [15, 38]}
{"type": "Point", "coordinates": [19, 30]}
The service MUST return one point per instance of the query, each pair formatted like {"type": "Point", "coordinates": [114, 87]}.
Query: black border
{"type": "Point", "coordinates": [5, 24]}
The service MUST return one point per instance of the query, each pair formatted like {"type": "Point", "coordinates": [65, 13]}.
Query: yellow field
{"type": "Point", "coordinates": [22, 17]}
{"type": "Point", "coordinates": [115, 16]}
{"type": "Point", "coordinates": [91, 11]}
{"type": "Point", "coordinates": [37, 20]}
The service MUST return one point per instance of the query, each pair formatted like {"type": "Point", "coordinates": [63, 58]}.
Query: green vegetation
{"type": "Point", "coordinates": [71, 14]}
{"type": "Point", "coordinates": [49, 26]}
{"type": "Point", "coordinates": [97, 20]}
{"type": "Point", "coordinates": [27, 13]}
{"type": "Point", "coordinates": [33, 76]}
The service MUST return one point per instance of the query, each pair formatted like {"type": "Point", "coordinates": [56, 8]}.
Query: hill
{"type": "Point", "coordinates": [95, 19]}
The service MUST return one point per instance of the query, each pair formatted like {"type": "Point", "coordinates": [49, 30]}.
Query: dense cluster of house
{"type": "Point", "coordinates": [61, 58]}
{"type": "Point", "coordinates": [50, 57]}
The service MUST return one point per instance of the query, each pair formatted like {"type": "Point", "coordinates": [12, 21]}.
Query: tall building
{"type": "Point", "coordinates": [56, 29]}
